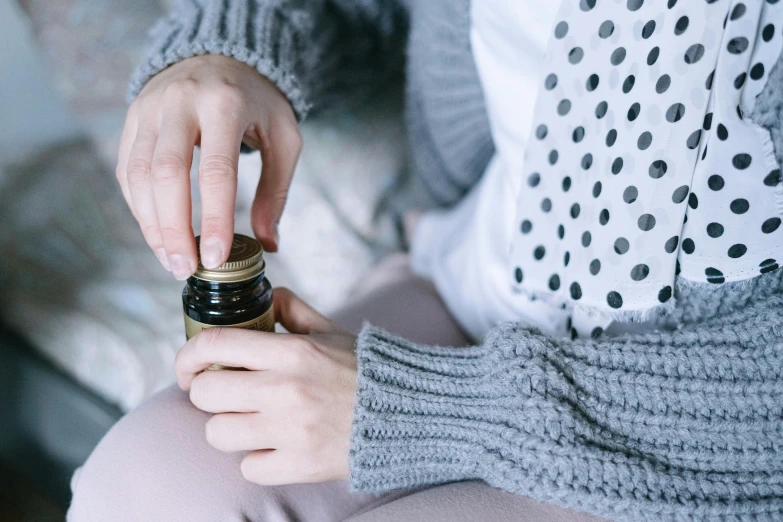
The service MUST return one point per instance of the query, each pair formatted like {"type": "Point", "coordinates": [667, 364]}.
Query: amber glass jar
{"type": "Point", "coordinates": [237, 294]}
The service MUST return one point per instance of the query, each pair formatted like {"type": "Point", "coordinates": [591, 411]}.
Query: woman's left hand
{"type": "Point", "coordinates": [293, 407]}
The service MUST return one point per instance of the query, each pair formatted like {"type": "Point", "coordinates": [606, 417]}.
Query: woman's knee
{"type": "Point", "coordinates": [155, 464]}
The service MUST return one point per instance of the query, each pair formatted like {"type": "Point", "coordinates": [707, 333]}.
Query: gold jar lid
{"type": "Point", "coordinates": [245, 261]}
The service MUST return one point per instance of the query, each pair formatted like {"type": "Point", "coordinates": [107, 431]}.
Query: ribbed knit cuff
{"type": "Point", "coordinates": [427, 415]}
{"type": "Point", "coordinates": [663, 425]}
{"type": "Point", "coordinates": [254, 34]}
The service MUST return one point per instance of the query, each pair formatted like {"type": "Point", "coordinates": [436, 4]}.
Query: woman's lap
{"type": "Point", "coordinates": [155, 464]}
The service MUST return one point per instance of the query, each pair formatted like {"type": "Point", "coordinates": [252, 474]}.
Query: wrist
{"type": "Point", "coordinates": [195, 31]}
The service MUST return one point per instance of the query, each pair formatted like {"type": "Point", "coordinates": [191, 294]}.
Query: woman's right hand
{"type": "Point", "coordinates": [217, 103]}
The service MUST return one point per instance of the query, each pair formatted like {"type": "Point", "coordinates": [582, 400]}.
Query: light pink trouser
{"type": "Point", "coordinates": [155, 464]}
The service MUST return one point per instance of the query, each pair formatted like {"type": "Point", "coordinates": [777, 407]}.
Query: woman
{"type": "Point", "coordinates": [641, 377]}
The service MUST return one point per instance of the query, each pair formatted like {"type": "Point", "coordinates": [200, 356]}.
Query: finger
{"type": "Point", "coordinates": [171, 185]}
{"type": "Point", "coordinates": [298, 317]}
{"type": "Point", "coordinates": [221, 138]}
{"type": "Point", "coordinates": [139, 176]}
{"type": "Point", "coordinates": [279, 154]}
{"type": "Point", "coordinates": [234, 347]}
{"type": "Point", "coordinates": [231, 432]}
{"type": "Point", "coordinates": [123, 153]}
{"type": "Point", "coordinates": [277, 467]}
{"type": "Point", "coordinates": [227, 391]}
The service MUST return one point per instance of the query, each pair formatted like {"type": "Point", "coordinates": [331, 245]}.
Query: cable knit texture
{"type": "Point", "coordinates": [315, 51]}
{"type": "Point", "coordinates": [671, 425]}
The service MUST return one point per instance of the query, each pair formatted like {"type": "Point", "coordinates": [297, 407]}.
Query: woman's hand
{"type": "Point", "coordinates": [215, 102]}
{"type": "Point", "coordinates": [294, 407]}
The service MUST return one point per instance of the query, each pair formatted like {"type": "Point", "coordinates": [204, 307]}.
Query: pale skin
{"type": "Point", "coordinates": [292, 409]}
{"type": "Point", "coordinates": [216, 103]}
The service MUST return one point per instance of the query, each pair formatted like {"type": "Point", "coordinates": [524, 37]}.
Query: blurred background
{"type": "Point", "coordinates": [89, 322]}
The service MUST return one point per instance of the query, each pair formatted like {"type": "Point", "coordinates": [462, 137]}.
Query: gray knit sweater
{"type": "Point", "coordinates": [684, 422]}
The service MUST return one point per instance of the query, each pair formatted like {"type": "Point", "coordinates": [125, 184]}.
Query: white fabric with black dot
{"type": "Point", "coordinates": [642, 166]}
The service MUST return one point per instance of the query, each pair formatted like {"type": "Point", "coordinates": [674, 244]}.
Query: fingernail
{"type": "Point", "coordinates": [180, 267]}
{"type": "Point", "coordinates": [211, 252]}
{"type": "Point", "coordinates": [163, 258]}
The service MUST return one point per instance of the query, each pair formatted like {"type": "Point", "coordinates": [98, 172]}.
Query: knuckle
{"type": "Point", "coordinates": [150, 232]}
{"type": "Point", "coordinates": [169, 168]}
{"type": "Point", "coordinates": [295, 356]}
{"type": "Point", "coordinates": [299, 354]}
{"type": "Point", "coordinates": [175, 236]}
{"type": "Point", "coordinates": [298, 392]}
{"type": "Point", "coordinates": [139, 171]}
{"type": "Point", "coordinates": [226, 98]}
{"type": "Point", "coordinates": [145, 103]}
{"type": "Point", "coordinates": [233, 96]}
{"type": "Point", "coordinates": [216, 168]}
{"type": "Point", "coordinates": [279, 196]}
{"type": "Point", "coordinates": [311, 435]}
{"type": "Point", "coordinates": [272, 203]}
{"type": "Point", "coordinates": [180, 89]}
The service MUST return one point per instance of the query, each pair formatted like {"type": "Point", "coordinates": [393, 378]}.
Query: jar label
{"type": "Point", "coordinates": [262, 323]}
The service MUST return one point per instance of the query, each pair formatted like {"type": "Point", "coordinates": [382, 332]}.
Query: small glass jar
{"type": "Point", "coordinates": [236, 294]}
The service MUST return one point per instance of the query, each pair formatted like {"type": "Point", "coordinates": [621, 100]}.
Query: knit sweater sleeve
{"type": "Point", "coordinates": [665, 425]}
{"type": "Point", "coordinates": [317, 52]}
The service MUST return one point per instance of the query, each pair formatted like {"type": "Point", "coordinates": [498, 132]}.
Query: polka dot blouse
{"type": "Point", "coordinates": [644, 163]}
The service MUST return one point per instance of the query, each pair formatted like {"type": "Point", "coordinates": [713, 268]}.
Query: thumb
{"type": "Point", "coordinates": [298, 317]}
{"type": "Point", "coordinates": [279, 156]}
